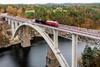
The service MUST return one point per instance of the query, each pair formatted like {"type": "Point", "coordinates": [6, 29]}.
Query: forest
{"type": "Point", "coordinates": [80, 15]}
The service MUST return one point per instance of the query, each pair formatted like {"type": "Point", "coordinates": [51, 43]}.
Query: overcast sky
{"type": "Point", "coordinates": [46, 1]}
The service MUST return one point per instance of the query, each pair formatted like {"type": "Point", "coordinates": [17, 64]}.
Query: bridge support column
{"type": "Point", "coordinates": [25, 37]}
{"type": "Point", "coordinates": [12, 27]}
{"type": "Point", "coordinates": [74, 50]}
{"type": "Point", "coordinates": [25, 45]}
{"type": "Point", "coordinates": [16, 24]}
{"type": "Point", "coordinates": [51, 59]}
{"type": "Point", "coordinates": [55, 38]}
{"type": "Point", "coordinates": [5, 19]}
{"type": "Point", "coordinates": [9, 22]}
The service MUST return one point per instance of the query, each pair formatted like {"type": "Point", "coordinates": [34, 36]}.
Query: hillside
{"type": "Point", "coordinates": [74, 14]}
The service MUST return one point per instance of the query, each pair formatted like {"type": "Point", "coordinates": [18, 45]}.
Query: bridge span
{"type": "Point", "coordinates": [19, 24]}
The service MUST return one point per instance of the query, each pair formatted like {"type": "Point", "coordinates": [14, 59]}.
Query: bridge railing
{"type": "Point", "coordinates": [83, 30]}
{"type": "Point", "coordinates": [71, 28]}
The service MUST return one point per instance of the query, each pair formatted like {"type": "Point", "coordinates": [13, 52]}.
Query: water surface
{"type": "Point", "coordinates": [38, 53]}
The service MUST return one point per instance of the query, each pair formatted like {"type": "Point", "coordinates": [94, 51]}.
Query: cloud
{"type": "Point", "coordinates": [46, 1]}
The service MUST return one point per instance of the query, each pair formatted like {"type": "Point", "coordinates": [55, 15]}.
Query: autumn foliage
{"type": "Point", "coordinates": [20, 12]}
{"type": "Point", "coordinates": [3, 39]}
{"type": "Point", "coordinates": [86, 16]}
{"type": "Point", "coordinates": [11, 10]}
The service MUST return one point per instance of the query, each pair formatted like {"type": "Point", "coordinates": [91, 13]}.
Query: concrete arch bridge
{"type": "Point", "coordinates": [20, 26]}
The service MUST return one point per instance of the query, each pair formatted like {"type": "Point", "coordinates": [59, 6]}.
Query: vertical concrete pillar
{"type": "Point", "coordinates": [25, 37]}
{"type": "Point", "coordinates": [16, 24]}
{"type": "Point", "coordinates": [74, 50]}
{"type": "Point", "coordinates": [8, 21]}
{"type": "Point", "coordinates": [55, 38]}
{"type": "Point", "coordinates": [51, 59]}
{"type": "Point", "coordinates": [12, 27]}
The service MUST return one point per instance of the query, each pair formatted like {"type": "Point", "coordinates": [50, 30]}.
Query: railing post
{"type": "Point", "coordinates": [74, 51]}
{"type": "Point", "coordinates": [55, 38]}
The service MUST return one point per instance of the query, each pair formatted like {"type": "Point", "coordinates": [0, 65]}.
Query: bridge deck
{"type": "Point", "coordinates": [95, 34]}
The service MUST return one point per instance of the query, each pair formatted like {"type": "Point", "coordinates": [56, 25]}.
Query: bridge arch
{"type": "Point", "coordinates": [49, 41]}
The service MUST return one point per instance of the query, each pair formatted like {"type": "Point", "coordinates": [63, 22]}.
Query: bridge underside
{"type": "Point", "coordinates": [53, 44]}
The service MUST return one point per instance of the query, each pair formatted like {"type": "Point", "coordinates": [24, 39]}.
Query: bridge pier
{"type": "Point", "coordinates": [25, 37]}
{"type": "Point", "coordinates": [25, 44]}
{"type": "Point", "coordinates": [55, 38]}
{"type": "Point", "coordinates": [16, 24]}
{"type": "Point", "coordinates": [51, 60]}
{"type": "Point", "coordinates": [74, 50]}
{"type": "Point", "coordinates": [12, 27]}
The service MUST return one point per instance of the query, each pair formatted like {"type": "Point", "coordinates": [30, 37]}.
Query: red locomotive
{"type": "Point", "coordinates": [50, 23]}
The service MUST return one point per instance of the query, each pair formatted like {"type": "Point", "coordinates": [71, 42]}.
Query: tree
{"type": "Point", "coordinates": [3, 39]}
{"type": "Point", "coordinates": [29, 15]}
{"type": "Point", "coordinates": [20, 12]}
{"type": "Point", "coordinates": [41, 13]}
{"type": "Point", "coordinates": [96, 55]}
{"type": "Point", "coordinates": [87, 57]}
{"type": "Point", "coordinates": [11, 10]}
{"type": "Point", "coordinates": [2, 10]}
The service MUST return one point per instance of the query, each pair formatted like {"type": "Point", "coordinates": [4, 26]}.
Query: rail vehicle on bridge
{"type": "Point", "coordinates": [50, 23]}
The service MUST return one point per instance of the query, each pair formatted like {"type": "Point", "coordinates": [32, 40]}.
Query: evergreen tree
{"type": "Point", "coordinates": [87, 57]}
